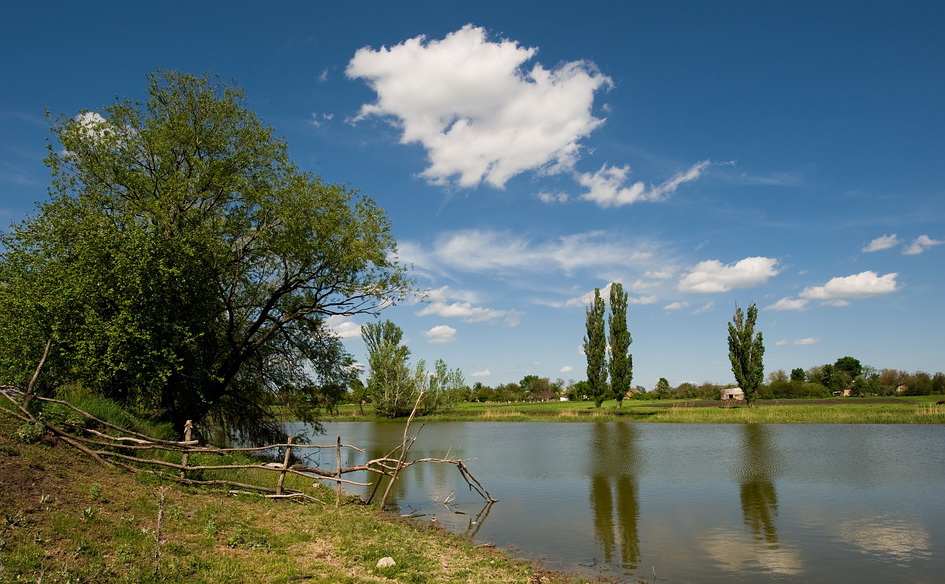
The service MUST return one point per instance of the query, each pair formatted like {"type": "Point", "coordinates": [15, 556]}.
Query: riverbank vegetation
{"type": "Point", "coordinates": [65, 518]}
{"type": "Point", "coordinates": [886, 410]}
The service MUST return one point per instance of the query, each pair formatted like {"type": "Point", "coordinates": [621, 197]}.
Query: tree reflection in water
{"type": "Point", "coordinates": [614, 492]}
{"type": "Point", "coordinates": [755, 470]}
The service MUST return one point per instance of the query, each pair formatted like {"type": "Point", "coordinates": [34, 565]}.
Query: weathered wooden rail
{"type": "Point", "coordinates": [116, 446]}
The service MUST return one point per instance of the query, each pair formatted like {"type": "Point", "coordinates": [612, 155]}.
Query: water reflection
{"type": "Point", "coordinates": [755, 468]}
{"type": "Point", "coordinates": [887, 538]}
{"type": "Point", "coordinates": [614, 493]}
{"type": "Point", "coordinates": [700, 503]}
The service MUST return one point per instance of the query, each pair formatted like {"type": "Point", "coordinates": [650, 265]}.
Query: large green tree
{"type": "Point", "coordinates": [621, 361]}
{"type": "Point", "coordinates": [746, 351]}
{"type": "Point", "coordinates": [185, 265]}
{"type": "Point", "coordinates": [595, 348]}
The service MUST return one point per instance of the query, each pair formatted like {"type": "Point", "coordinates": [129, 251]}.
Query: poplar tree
{"type": "Point", "coordinates": [746, 350]}
{"type": "Point", "coordinates": [595, 348]}
{"type": "Point", "coordinates": [621, 361]}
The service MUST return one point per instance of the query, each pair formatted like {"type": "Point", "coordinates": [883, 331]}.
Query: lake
{"type": "Point", "coordinates": [683, 502]}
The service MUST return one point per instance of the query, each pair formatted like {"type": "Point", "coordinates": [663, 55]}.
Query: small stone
{"type": "Point", "coordinates": [387, 562]}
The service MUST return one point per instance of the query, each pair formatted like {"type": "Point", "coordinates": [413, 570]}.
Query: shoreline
{"type": "Point", "coordinates": [850, 410]}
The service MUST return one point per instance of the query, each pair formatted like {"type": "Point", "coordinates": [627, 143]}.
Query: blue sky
{"type": "Point", "coordinates": [704, 154]}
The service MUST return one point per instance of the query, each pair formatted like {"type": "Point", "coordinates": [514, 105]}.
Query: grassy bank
{"type": "Point", "coordinates": [892, 410]}
{"type": "Point", "coordinates": [66, 519]}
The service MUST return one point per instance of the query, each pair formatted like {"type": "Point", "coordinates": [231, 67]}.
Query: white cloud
{"type": "Point", "coordinates": [566, 369]}
{"type": "Point", "coordinates": [443, 302]}
{"type": "Point", "coordinates": [922, 243]}
{"type": "Point", "coordinates": [641, 300]}
{"type": "Point", "coordinates": [676, 306]}
{"type": "Point", "coordinates": [344, 327]}
{"type": "Point", "coordinates": [479, 251]}
{"type": "Point", "coordinates": [475, 108]}
{"type": "Point", "coordinates": [483, 373]}
{"type": "Point", "coordinates": [807, 341]}
{"type": "Point", "coordinates": [552, 198]}
{"type": "Point", "coordinates": [840, 290]}
{"type": "Point", "coordinates": [790, 304]}
{"type": "Point", "coordinates": [318, 119]}
{"type": "Point", "coordinates": [704, 308]}
{"type": "Point", "coordinates": [441, 334]}
{"type": "Point", "coordinates": [585, 299]}
{"type": "Point", "coordinates": [608, 186]}
{"type": "Point", "coordinates": [884, 242]}
{"type": "Point", "coordinates": [98, 129]}
{"type": "Point", "coordinates": [714, 276]}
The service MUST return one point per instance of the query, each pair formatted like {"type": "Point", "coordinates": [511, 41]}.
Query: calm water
{"type": "Point", "coordinates": [688, 502]}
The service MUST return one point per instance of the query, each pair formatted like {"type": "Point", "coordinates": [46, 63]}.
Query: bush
{"type": "Point", "coordinates": [30, 433]}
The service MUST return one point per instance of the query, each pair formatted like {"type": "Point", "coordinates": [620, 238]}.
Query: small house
{"type": "Point", "coordinates": [733, 393]}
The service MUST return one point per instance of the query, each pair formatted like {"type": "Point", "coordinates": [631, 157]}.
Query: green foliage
{"type": "Point", "coordinates": [30, 433]}
{"type": "Point", "coordinates": [595, 349]}
{"type": "Point", "coordinates": [443, 387]}
{"type": "Point", "coordinates": [390, 384]}
{"type": "Point", "coordinates": [185, 266]}
{"type": "Point", "coordinates": [621, 361]}
{"type": "Point", "coordinates": [746, 351]}
{"type": "Point", "coordinates": [850, 365]}
{"type": "Point", "coordinates": [662, 388]}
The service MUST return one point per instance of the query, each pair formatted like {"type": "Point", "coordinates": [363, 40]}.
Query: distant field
{"type": "Point", "coordinates": [876, 410]}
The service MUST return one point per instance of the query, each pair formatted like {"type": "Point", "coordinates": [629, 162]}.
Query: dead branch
{"type": "Point", "coordinates": [111, 450]}
{"type": "Point", "coordinates": [403, 449]}
{"type": "Point", "coordinates": [28, 396]}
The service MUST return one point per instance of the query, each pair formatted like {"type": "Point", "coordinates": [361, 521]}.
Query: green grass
{"type": "Point", "coordinates": [894, 410]}
{"type": "Point", "coordinates": [65, 519]}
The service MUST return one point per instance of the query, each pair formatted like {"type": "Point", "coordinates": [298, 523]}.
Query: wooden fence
{"type": "Point", "coordinates": [115, 446]}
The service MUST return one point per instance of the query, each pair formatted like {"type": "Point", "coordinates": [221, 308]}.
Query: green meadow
{"type": "Point", "coordinates": [891, 410]}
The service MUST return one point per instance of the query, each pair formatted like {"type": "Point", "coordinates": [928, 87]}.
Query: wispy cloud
{"type": "Point", "coordinates": [489, 251]}
{"type": "Point", "coordinates": [704, 308]}
{"type": "Point", "coordinates": [884, 242]}
{"type": "Point", "coordinates": [922, 243]}
{"type": "Point", "coordinates": [585, 299]}
{"type": "Point", "coordinates": [449, 304]}
{"type": "Point", "coordinates": [641, 300]}
{"type": "Point", "coordinates": [713, 276]}
{"type": "Point", "coordinates": [481, 115]}
{"type": "Point", "coordinates": [552, 198]}
{"type": "Point", "coordinates": [790, 304]}
{"type": "Point", "coordinates": [608, 187]}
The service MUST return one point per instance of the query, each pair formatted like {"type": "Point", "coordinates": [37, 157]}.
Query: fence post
{"type": "Point", "coordinates": [188, 434]}
{"type": "Point", "coordinates": [285, 465]}
{"type": "Point", "coordinates": [338, 486]}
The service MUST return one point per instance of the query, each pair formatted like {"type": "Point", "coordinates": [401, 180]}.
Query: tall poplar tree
{"type": "Point", "coordinates": [621, 361]}
{"type": "Point", "coordinates": [746, 350]}
{"type": "Point", "coordinates": [595, 348]}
